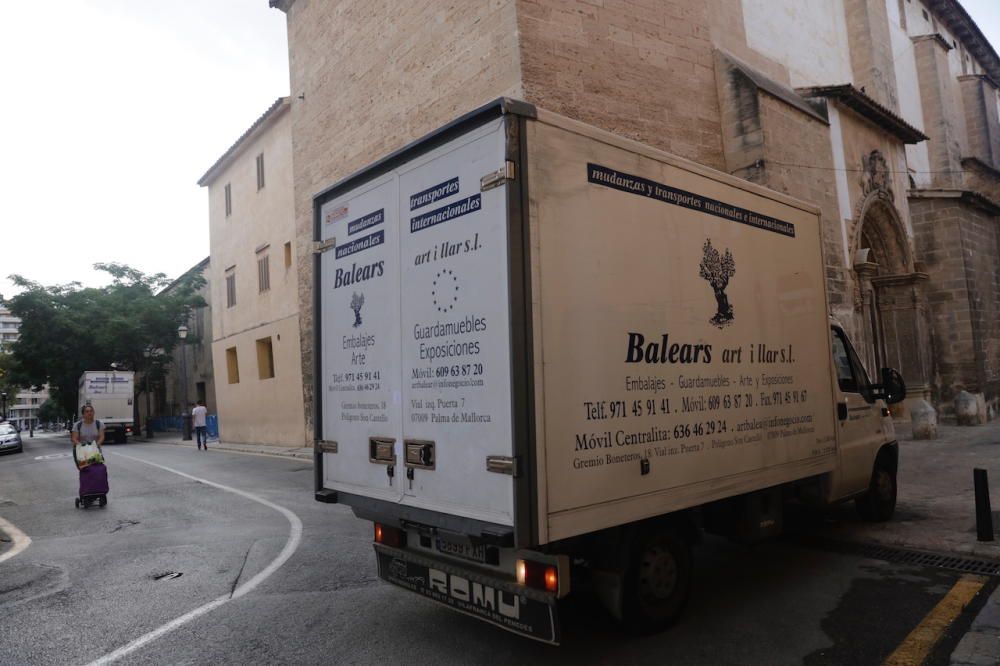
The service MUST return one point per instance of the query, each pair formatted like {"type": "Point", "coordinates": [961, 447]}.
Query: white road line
{"type": "Point", "coordinates": [19, 538]}
{"type": "Point", "coordinates": [294, 537]}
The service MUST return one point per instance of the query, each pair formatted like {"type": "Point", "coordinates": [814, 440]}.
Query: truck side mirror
{"type": "Point", "coordinates": [893, 386]}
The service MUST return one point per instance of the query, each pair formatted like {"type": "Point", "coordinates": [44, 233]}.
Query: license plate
{"type": "Point", "coordinates": [464, 550]}
{"type": "Point", "coordinates": [495, 602]}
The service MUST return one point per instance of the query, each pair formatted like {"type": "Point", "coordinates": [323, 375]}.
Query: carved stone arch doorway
{"type": "Point", "coordinates": [890, 305]}
{"type": "Point", "coordinates": [881, 252]}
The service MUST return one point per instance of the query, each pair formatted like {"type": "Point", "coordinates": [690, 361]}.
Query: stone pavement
{"type": "Point", "coordinates": [935, 510]}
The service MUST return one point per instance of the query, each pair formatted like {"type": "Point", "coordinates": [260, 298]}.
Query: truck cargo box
{"type": "Point", "coordinates": [530, 329]}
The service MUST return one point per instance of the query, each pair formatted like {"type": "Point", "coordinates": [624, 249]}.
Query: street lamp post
{"type": "Point", "coordinates": [182, 332]}
{"type": "Point", "coordinates": [148, 354]}
{"type": "Point", "coordinates": [3, 414]}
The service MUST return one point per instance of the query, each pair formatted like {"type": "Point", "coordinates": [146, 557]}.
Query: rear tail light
{"type": "Point", "coordinates": [389, 536]}
{"type": "Point", "coordinates": [538, 575]}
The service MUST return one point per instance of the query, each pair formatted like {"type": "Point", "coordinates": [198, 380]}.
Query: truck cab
{"type": "Point", "coordinates": [868, 452]}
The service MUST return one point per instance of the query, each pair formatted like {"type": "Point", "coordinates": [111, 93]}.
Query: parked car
{"type": "Point", "coordinates": [10, 439]}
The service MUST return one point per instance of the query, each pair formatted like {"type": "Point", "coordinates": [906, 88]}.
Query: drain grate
{"type": "Point", "coordinates": [916, 557]}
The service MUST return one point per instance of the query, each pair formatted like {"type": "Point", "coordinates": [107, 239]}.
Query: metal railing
{"type": "Point", "coordinates": [176, 424]}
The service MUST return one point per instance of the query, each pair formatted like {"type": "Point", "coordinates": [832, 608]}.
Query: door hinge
{"type": "Point", "coordinates": [326, 446]}
{"type": "Point", "coordinates": [497, 178]}
{"type": "Point", "coordinates": [503, 465]}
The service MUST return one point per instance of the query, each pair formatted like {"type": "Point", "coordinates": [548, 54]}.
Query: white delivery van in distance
{"type": "Point", "coordinates": [541, 346]}
{"type": "Point", "coordinates": [112, 393]}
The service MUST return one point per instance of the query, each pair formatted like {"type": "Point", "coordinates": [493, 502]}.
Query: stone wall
{"type": "Point", "coordinates": [982, 178]}
{"type": "Point", "coordinates": [959, 245]}
{"type": "Point", "coordinates": [370, 76]}
{"type": "Point", "coordinates": [798, 160]}
{"type": "Point", "coordinates": [870, 48]}
{"type": "Point", "coordinates": [941, 110]}
{"type": "Point", "coordinates": [979, 99]}
{"type": "Point", "coordinates": [367, 77]}
{"type": "Point", "coordinates": [641, 69]}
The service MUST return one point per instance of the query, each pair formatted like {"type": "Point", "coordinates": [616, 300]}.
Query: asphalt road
{"type": "Point", "coordinates": [93, 581]}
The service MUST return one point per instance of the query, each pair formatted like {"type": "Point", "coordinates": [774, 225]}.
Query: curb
{"type": "Point", "coordinates": [981, 643]}
{"type": "Point", "coordinates": [249, 449]}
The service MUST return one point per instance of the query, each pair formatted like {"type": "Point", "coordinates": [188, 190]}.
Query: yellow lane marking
{"type": "Point", "coordinates": [915, 649]}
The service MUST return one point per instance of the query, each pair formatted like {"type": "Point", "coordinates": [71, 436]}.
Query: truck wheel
{"type": "Point", "coordinates": [657, 581]}
{"type": "Point", "coordinates": [879, 503]}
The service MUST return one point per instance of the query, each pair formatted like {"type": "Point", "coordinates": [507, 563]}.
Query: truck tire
{"type": "Point", "coordinates": [657, 580]}
{"type": "Point", "coordinates": [879, 503]}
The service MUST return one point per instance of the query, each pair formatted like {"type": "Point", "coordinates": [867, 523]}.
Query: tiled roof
{"type": "Point", "coordinates": [280, 104]}
{"type": "Point", "coordinates": [197, 268]}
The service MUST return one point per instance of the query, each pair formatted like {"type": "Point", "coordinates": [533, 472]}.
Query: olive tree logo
{"type": "Point", "coordinates": [717, 269]}
{"type": "Point", "coordinates": [357, 300]}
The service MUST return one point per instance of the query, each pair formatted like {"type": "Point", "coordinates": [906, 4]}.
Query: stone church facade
{"type": "Point", "coordinates": [884, 113]}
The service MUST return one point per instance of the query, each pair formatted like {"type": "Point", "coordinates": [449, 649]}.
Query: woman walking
{"type": "Point", "coordinates": [88, 434]}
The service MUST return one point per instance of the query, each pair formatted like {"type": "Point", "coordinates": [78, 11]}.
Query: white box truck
{"type": "Point", "coordinates": [112, 394]}
{"type": "Point", "coordinates": [543, 349]}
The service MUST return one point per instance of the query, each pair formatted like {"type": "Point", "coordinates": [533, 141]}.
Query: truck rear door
{"type": "Point", "coordinates": [416, 335]}
{"type": "Point", "coordinates": [359, 328]}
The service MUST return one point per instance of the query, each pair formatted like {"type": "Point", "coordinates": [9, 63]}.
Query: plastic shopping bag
{"type": "Point", "coordinates": [87, 453]}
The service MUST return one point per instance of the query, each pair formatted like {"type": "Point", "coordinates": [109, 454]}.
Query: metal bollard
{"type": "Point", "coordinates": [984, 516]}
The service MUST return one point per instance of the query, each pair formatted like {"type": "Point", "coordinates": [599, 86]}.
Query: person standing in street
{"type": "Point", "coordinates": [88, 428]}
{"type": "Point", "coordinates": [198, 416]}
{"type": "Point", "coordinates": [93, 474]}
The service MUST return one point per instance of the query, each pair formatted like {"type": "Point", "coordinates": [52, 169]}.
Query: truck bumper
{"type": "Point", "coordinates": [504, 603]}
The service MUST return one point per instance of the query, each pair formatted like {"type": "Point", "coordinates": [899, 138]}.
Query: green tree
{"type": "Point", "coordinates": [51, 412]}
{"type": "Point", "coordinates": [8, 378]}
{"type": "Point", "coordinates": [67, 329]}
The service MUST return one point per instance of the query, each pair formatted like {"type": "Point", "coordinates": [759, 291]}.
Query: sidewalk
{"type": "Point", "coordinates": [936, 508]}
{"type": "Point", "coordinates": [304, 453]}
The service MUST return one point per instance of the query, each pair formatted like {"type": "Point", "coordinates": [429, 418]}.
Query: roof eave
{"type": "Point", "coordinates": [962, 26]}
{"type": "Point", "coordinates": [197, 268]}
{"type": "Point", "coordinates": [968, 197]}
{"type": "Point", "coordinates": [867, 107]}
{"type": "Point", "coordinates": [275, 111]}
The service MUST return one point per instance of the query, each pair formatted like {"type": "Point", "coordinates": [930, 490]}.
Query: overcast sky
{"type": "Point", "coordinates": [113, 109]}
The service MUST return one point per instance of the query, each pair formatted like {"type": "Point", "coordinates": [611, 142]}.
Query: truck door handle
{"type": "Point", "coordinates": [842, 411]}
